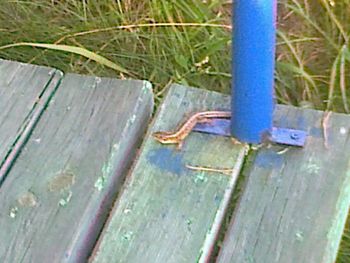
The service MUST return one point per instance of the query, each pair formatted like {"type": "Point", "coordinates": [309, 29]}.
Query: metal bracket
{"type": "Point", "coordinates": [277, 135]}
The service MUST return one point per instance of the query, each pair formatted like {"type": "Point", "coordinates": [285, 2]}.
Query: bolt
{"type": "Point", "coordinates": [294, 136]}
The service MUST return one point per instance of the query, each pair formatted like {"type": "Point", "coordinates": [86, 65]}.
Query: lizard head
{"type": "Point", "coordinates": [164, 137]}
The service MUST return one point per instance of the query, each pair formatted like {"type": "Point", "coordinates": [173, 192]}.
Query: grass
{"type": "Point", "coordinates": [161, 40]}
{"type": "Point", "coordinates": [184, 41]}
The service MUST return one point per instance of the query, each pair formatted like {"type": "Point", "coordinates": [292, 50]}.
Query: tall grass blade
{"type": "Point", "coordinates": [342, 79]}
{"type": "Point", "coordinates": [75, 50]}
{"type": "Point", "coordinates": [332, 81]}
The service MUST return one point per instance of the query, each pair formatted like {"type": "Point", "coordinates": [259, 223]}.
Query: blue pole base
{"type": "Point", "coordinates": [276, 135]}
{"type": "Point", "coordinates": [253, 69]}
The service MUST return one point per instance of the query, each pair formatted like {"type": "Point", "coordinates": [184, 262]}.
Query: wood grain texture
{"type": "Point", "coordinates": [296, 201]}
{"type": "Point", "coordinates": [60, 189]}
{"type": "Point", "coordinates": [23, 89]}
{"type": "Point", "coordinates": [167, 212]}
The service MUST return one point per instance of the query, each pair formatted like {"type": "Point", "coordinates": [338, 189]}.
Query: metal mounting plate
{"type": "Point", "coordinates": [277, 135]}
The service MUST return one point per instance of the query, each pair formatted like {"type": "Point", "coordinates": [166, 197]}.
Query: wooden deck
{"type": "Point", "coordinates": [77, 185]}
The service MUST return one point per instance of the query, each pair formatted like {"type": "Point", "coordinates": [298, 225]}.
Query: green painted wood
{"type": "Point", "coordinates": [62, 185]}
{"type": "Point", "coordinates": [167, 212]}
{"type": "Point", "coordinates": [295, 203]}
{"type": "Point", "coordinates": [24, 90]}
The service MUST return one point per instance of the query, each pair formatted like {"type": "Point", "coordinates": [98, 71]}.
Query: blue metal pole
{"type": "Point", "coordinates": [253, 69]}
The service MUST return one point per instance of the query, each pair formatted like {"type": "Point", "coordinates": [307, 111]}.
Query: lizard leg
{"type": "Point", "coordinates": [179, 145]}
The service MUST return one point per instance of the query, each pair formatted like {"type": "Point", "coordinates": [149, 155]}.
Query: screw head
{"type": "Point", "coordinates": [294, 136]}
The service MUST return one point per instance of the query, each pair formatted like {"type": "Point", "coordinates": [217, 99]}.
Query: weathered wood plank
{"type": "Point", "coordinates": [24, 91]}
{"type": "Point", "coordinates": [60, 189]}
{"type": "Point", "coordinates": [167, 212]}
{"type": "Point", "coordinates": [295, 203]}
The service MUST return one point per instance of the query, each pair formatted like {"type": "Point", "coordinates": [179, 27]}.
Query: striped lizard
{"type": "Point", "coordinates": [179, 136]}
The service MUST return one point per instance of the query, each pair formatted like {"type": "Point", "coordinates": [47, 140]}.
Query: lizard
{"type": "Point", "coordinates": [179, 136]}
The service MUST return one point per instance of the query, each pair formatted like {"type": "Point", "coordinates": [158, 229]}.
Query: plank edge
{"type": "Point", "coordinates": [335, 233]}
{"type": "Point", "coordinates": [211, 238]}
{"type": "Point", "coordinates": [30, 122]}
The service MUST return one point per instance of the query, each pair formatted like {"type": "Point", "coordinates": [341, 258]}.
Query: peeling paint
{"type": "Point", "coordinates": [132, 118]}
{"type": "Point", "coordinates": [107, 169]}
{"type": "Point", "coordinates": [146, 87]}
{"type": "Point", "coordinates": [299, 236]}
{"type": "Point", "coordinates": [13, 212]}
{"type": "Point", "coordinates": [27, 200]}
{"type": "Point", "coordinates": [62, 181]}
{"type": "Point", "coordinates": [66, 199]}
{"type": "Point", "coordinates": [167, 160]}
{"type": "Point", "coordinates": [269, 159]}
{"type": "Point", "coordinates": [313, 166]}
{"type": "Point", "coordinates": [100, 183]}
{"type": "Point", "coordinates": [200, 178]}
